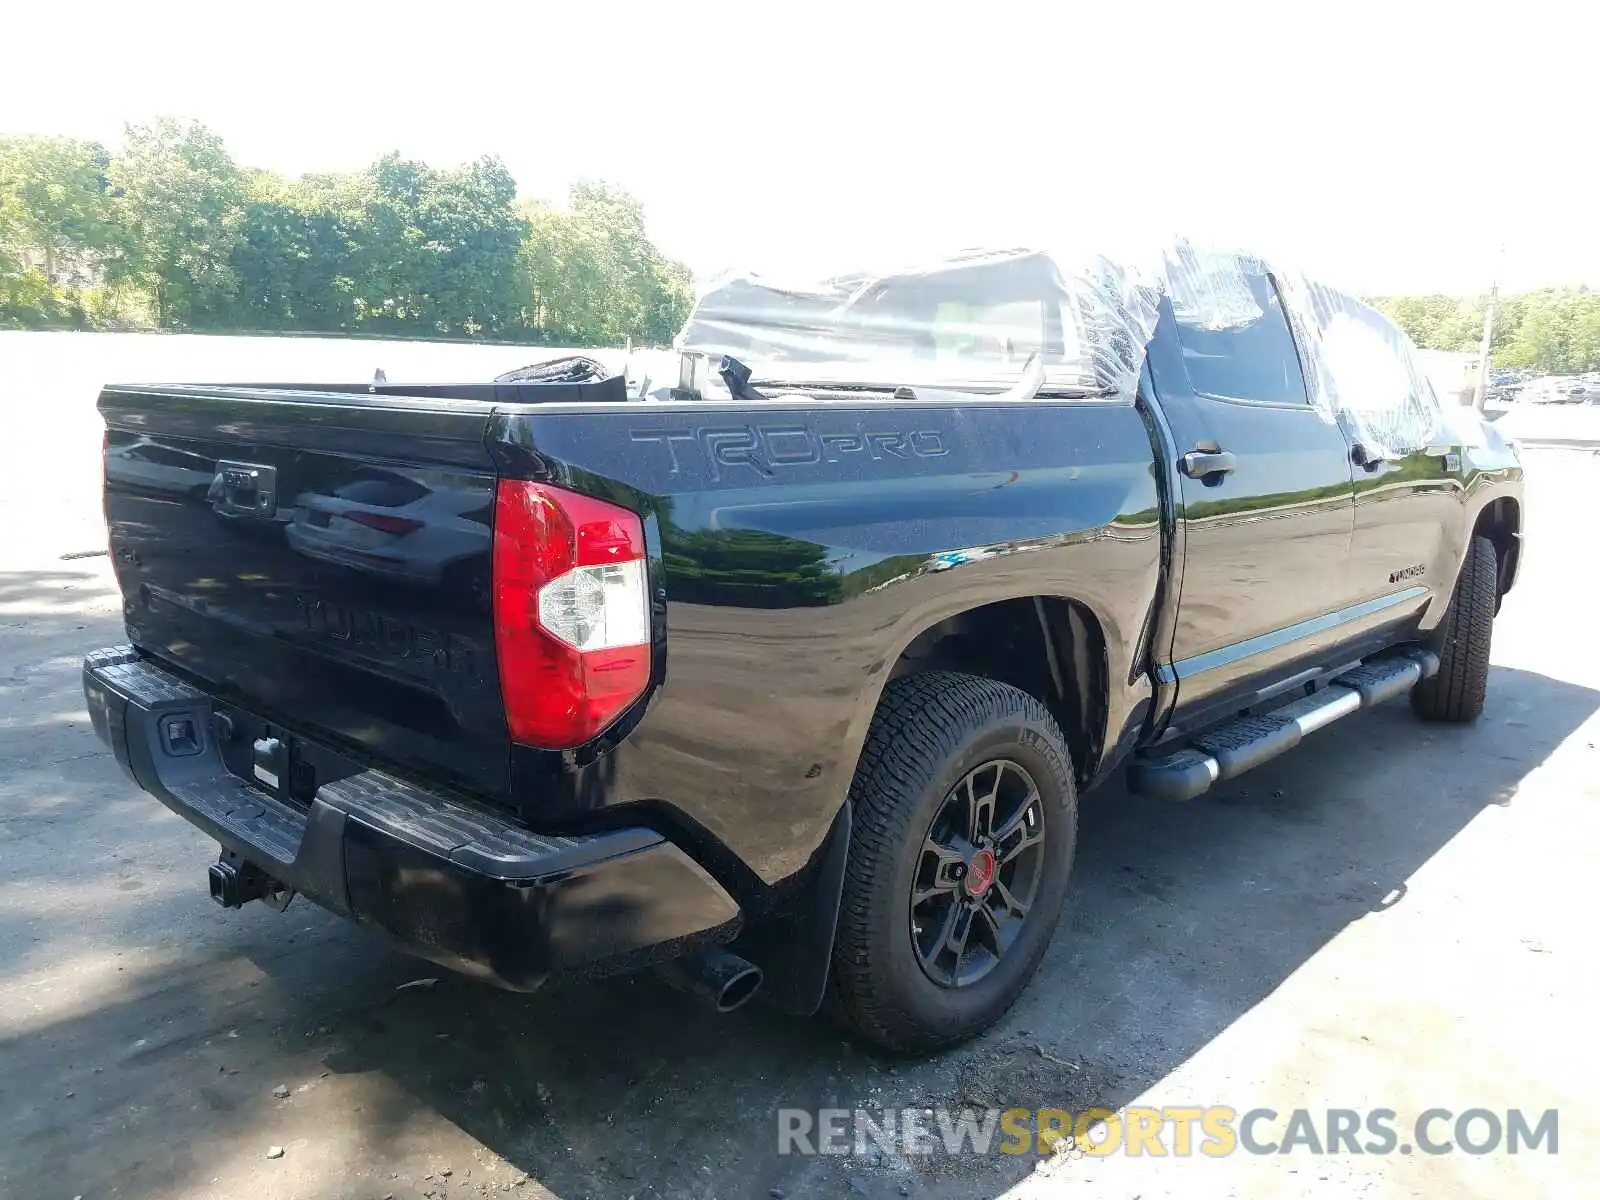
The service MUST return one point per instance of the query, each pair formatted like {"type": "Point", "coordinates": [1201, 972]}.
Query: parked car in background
{"type": "Point", "coordinates": [412, 527]}
{"type": "Point", "coordinates": [1553, 389]}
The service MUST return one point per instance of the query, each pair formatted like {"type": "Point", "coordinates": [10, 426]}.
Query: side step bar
{"type": "Point", "coordinates": [1233, 748]}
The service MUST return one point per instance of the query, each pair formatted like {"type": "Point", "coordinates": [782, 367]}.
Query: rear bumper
{"type": "Point", "coordinates": [450, 882]}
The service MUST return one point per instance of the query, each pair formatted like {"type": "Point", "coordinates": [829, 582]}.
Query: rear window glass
{"type": "Point", "coordinates": [970, 321]}
{"type": "Point", "coordinates": [1006, 332]}
{"type": "Point", "coordinates": [1252, 357]}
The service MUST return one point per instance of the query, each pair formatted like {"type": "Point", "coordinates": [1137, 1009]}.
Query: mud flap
{"type": "Point", "coordinates": [793, 946]}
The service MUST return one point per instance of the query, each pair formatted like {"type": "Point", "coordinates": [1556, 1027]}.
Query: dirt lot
{"type": "Point", "coordinates": [1393, 916]}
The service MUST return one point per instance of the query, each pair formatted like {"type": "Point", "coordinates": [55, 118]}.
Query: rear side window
{"type": "Point", "coordinates": [1242, 350]}
{"type": "Point", "coordinates": [1377, 382]}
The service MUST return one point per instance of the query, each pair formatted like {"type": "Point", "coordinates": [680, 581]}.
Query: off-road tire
{"type": "Point", "coordinates": [1462, 642]}
{"type": "Point", "coordinates": [929, 731]}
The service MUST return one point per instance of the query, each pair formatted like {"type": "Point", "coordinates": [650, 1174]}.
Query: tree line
{"type": "Point", "coordinates": [1555, 331]}
{"type": "Point", "coordinates": [169, 232]}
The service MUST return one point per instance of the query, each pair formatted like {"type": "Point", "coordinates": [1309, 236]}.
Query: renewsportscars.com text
{"type": "Point", "coordinates": [1214, 1131]}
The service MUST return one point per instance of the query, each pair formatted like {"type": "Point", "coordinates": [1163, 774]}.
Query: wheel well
{"type": "Point", "coordinates": [1048, 646]}
{"type": "Point", "coordinates": [1500, 521]}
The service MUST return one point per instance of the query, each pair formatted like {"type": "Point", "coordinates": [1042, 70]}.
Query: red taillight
{"type": "Point", "coordinates": [382, 522]}
{"type": "Point", "coordinates": [571, 612]}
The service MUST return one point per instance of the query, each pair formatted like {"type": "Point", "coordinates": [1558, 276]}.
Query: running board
{"type": "Point", "coordinates": [1233, 748]}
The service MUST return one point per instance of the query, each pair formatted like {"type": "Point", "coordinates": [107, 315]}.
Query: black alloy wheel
{"type": "Point", "coordinates": [979, 873]}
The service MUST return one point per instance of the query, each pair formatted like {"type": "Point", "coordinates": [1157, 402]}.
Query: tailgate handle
{"type": "Point", "coordinates": [249, 489]}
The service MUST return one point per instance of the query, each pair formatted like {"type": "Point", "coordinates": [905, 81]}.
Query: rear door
{"type": "Point", "coordinates": [320, 561]}
{"type": "Point", "coordinates": [1266, 493]}
{"type": "Point", "coordinates": [1409, 518]}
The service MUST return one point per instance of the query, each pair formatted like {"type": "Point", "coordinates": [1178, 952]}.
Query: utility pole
{"type": "Point", "coordinates": [1480, 393]}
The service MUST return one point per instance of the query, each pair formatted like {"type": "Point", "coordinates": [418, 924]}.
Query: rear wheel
{"type": "Point", "coordinates": [964, 825]}
{"type": "Point", "coordinates": [1456, 693]}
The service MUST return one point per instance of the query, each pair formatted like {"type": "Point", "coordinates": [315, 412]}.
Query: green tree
{"type": "Point", "coordinates": [670, 298]}
{"type": "Point", "coordinates": [1586, 333]}
{"type": "Point", "coordinates": [294, 257]}
{"type": "Point", "coordinates": [179, 201]}
{"type": "Point", "coordinates": [53, 190]}
{"type": "Point", "coordinates": [170, 229]}
{"type": "Point", "coordinates": [1437, 322]}
{"type": "Point", "coordinates": [1555, 330]}
{"type": "Point", "coordinates": [592, 274]}
{"type": "Point", "coordinates": [564, 284]}
{"type": "Point", "coordinates": [1461, 325]}
{"type": "Point", "coordinates": [54, 227]}
{"type": "Point", "coordinates": [437, 251]}
{"type": "Point", "coordinates": [473, 239]}
{"type": "Point", "coordinates": [1559, 331]}
{"type": "Point", "coordinates": [16, 304]}
{"type": "Point", "coordinates": [27, 300]}
{"type": "Point", "coordinates": [1508, 315]}
{"type": "Point", "coordinates": [1419, 316]}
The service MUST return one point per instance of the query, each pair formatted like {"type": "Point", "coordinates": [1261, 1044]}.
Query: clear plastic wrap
{"type": "Point", "coordinates": [1209, 289]}
{"type": "Point", "coordinates": [1361, 367]}
{"type": "Point", "coordinates": [974, 322]}
{"type": "Point", "coordinates": [971, 322]}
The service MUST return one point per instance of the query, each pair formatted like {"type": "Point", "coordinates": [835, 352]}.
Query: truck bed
{"type": "Point", "coordinates": [795, 549]}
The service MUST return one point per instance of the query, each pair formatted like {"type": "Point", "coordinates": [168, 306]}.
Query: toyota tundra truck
{"type": "Point", "coordinates": [783, 675]}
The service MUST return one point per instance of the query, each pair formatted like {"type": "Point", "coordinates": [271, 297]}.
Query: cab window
{"type": "Point", "coordinates": [1243, 350]}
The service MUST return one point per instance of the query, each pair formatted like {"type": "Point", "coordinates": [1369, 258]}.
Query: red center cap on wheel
{"type": "Point", "coordinates": [980, 872]}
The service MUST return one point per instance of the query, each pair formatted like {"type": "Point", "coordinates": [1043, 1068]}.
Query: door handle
{"type": "Point", "coordinates": [1365, 457]}
{"type": "Point", "coordinates": [1197, 464]}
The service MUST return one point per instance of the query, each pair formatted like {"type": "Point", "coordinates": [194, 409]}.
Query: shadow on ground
{"type": "Point", "coordinates": [155, 1079]}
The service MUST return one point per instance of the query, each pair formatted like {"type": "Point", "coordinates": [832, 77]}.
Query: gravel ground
{"type": "Point", "coordinates": [1393, 916]}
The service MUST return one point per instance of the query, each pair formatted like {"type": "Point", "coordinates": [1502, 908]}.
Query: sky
{"type": "Point", "coordinates": [1385, 147]}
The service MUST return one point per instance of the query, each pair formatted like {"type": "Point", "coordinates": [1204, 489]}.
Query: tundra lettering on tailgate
{"type": "Point", "coordinates": [436, 651]}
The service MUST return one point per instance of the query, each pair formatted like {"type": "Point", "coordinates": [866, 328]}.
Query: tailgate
{"type": "Point", "coordinates": [322, 559]}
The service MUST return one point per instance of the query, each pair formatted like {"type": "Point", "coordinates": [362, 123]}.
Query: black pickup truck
{"type": "Point", "coordinates": [788, 676]}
